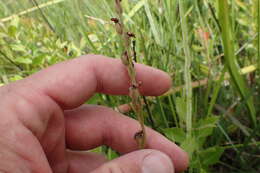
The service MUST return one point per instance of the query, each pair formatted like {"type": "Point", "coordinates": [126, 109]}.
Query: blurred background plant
{"type": "Point", "coordinates": [212, 110]}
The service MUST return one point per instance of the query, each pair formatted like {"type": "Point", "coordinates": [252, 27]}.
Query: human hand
{"type": "Point", "coordinates": [44, 125]}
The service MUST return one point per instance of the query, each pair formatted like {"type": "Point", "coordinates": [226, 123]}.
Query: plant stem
{"type": "Point", "coordinates": [187, 74]}
{"type": "Point", "coordinates": [127, 60]}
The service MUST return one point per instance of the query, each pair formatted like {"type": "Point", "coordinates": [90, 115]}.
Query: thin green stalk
{"type": "Point", "coordinates": [163, 113]}
{"type": "Point", "coordinates": [241, 145]}
{"type": "Point", "coordinates": [227, 136]}
{"type": "Point", "coordinates": [216, 91]}
{"type": "Point", "coordinates": [187, 74]}
{"type": "Point", "coordinates": [173, 111]}
{"type": "Point", "coordinates": [258, 32]}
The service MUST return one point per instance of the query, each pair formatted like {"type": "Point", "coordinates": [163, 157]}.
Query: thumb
{"type": "Point", "coordinates": [142, 161]}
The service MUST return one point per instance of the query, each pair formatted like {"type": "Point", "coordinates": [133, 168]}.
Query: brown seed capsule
{"type": "Point", "coordinates": [134, 86]}
{"type": "Point", "coordinates": [139, 135]}
{"type": "Point", "coordinates": [115, 20]}
{"type": "Point", "coordinates": [130, 34]}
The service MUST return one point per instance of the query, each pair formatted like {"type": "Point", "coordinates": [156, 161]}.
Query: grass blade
{"type": "Point", "coordinates": [230, 58]}
{"type": "Point", "coordinates": [154, 25]}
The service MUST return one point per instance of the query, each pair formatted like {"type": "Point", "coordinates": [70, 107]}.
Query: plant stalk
{"type": "Point", "coordinates": [127, 60]}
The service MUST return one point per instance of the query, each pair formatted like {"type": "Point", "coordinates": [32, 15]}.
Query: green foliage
{"type": "Point", "coordinates": [216, 122]}
{"type": "Point", "coordinates": [202, 130]}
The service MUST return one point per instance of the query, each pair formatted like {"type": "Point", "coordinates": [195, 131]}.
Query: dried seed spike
{"type": "Point", "coordinates": [127, 60]}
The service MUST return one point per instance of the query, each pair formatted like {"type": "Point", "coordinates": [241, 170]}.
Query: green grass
{"type": "Point", "coordinates": [216, 120]}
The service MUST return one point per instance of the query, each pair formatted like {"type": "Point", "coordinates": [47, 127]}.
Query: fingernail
{"type": "Point", "coordinates": [157, 162]}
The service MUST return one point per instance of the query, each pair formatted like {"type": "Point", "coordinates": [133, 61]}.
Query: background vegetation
{"type": "Point", "coordinates": [210, 48]}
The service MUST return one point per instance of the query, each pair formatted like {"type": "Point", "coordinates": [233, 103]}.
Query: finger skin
{"type": "Point", "coordinates": [90, 126]}
{"type": "Point", "coordinates": [84, 162]}
{"type": "Point", "coordinates": [72, 82]}
{"type": "Point", "coordinates": [38, 103]}
{"type": "Point", "coordinates": [133, 163]}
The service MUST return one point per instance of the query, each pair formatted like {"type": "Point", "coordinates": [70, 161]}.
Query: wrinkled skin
{"type": "Point", "coordinates": [45, 126]}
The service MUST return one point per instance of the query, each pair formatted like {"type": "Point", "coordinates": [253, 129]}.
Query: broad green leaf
{"type": "Point", "coordinates": [211, 155]}
{"type": "Point", "coordinates": [175, 134]}
{"type": "Point", "coordinates": [39, 60]}
{"type": "Point", "coordinates": [190, 145]}
{"type": "Point", "coordinates": [204, 127]}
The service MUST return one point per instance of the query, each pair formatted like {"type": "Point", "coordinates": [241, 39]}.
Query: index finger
{"type": "Point", "coordinates": [72, 82]}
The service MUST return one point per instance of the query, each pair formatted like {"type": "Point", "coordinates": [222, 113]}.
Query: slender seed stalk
{"type": "Point", "coordinates": [127, 60]}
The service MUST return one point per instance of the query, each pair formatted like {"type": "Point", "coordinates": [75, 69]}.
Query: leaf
{"type": "Point", "coordinates": [181, 108]}
{"type": "Point", "coordinates": [211, 155]}
{"type": "Point", "coordinates": [204, 127]}
{"type": "Point", "coordinates": [13, 27]}
{"type": "Point", "coordinates": [22, 60]}
{"type": "Point", "coordinates": [12, 30]}
{"type": "Point", "coordinates": [203, 171]}
{"type": "Point", "coordinates": [18, 47]}
{"type": "Point", "coordinates": [97, 150]}
{"type": "Point", "coordinates": [190, 145]}
{"type": "Point", "coordinates": [39, 60]}
{"type": "Point", "coordinates": [15, 21]}
{"type": "Point", "coordinates": [94, 99]}
{"type": "Point", "coordinates": [175, 134]}
{"type": "Point", "coordinates": [135, 9]}
{"type": "Point", "coordinates": [15, 78]}
{"type": "Point", "coordinates": [111, 154]}
{"type": "Point", "coordinates": [154, 25]}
